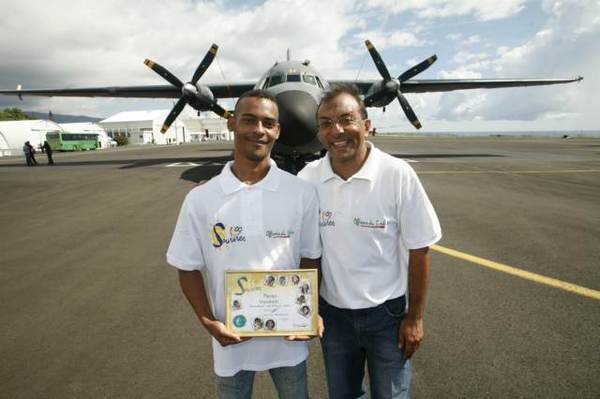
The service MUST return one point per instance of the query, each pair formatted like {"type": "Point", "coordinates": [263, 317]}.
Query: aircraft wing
{"type": "Point", "coordinates": [161, 91]}
{"type": "Point", "coordinates": [437, 85]}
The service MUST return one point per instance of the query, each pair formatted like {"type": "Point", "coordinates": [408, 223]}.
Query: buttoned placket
{"type": "Point", "coordinates": [252, 210]}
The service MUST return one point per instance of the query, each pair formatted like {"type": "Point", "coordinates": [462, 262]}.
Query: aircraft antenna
{"type": "Point", "coordinates": [361, 66]}
{"type": "Point", "coordinates": [224, 78]}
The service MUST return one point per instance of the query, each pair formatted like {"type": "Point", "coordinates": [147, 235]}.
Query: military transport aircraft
{"type": "Point", "coordinates": [297, 87]}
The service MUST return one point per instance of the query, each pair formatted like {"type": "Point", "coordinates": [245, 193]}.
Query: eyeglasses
{"type": "Point", "coordinates": [343, 121]}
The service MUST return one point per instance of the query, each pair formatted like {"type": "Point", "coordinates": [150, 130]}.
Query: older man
{"type": "Point", "coordinates": [250, 197]}
{"type": "Point", "coordinates": [376, 224]}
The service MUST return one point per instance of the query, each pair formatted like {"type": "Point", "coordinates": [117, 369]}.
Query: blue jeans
{"type": "Point", "coordinates": [353, 336]}
{"type": "Point", "coordinates": [290, 382]}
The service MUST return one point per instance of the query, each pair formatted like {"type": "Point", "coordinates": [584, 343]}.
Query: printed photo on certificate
{"type": "Point", "coordinates": [272, 303]}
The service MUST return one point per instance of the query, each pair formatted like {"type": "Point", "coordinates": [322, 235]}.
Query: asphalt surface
{"type": "Point", "coordinates": [89, 308]}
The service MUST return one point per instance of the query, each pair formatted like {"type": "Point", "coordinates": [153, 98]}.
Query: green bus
{"type": "Point", "coordinates": [65, 141]}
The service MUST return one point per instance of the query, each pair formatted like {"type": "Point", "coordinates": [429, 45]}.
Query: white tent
{"type": "Point", "coordinates": [13, 134]}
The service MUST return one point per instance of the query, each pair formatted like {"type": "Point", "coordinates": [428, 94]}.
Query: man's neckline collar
{"type": "Point", "coordinates": [230, 183]}
{"type": "Point", "coordinates": [367, 171]}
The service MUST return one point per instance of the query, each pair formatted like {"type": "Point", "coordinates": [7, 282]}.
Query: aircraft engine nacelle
{"type": "Point", "coordinates": [200, 97]}
{"type": "Point", "coordinates": [204, 93]}
{"type": "Point", "coordinates": [387, 90]}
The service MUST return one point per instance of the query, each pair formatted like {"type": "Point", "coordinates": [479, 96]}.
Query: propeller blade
{"type": "Point", "coordinates": [217, 109]}
{"type": "Point", "coordinates": [417, 68]}
{"type": "Point", "coordinates": [208, 59]}
{"type": "Point", "coordinates": [383, 71]}
{"type": "Point", "coordinates": [162, 71]}
{"type": "Point", "coordinates": [408, 111]}
{"type": "Point", "coordinates": [173, 114]}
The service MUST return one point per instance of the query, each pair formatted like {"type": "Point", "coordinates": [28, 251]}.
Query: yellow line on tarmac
{"type": "Point", "coordinates": [538, 278]}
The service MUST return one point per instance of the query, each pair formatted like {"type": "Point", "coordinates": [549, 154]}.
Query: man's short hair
{"type": "Point", "coordinates": [336, 89]}
{"type": "Point", "coordinates": [257, 93]}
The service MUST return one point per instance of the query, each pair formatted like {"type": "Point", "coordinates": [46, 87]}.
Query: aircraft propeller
{"type": "Point", "coordinates": [197, 97]}
{"type": "Point", "coordinates": [390, 87]}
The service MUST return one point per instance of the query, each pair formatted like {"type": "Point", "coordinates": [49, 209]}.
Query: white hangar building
{"type": "Point", "coordinates": [13, 134]}
{"type": "Point", "coordinates": [143, 127]}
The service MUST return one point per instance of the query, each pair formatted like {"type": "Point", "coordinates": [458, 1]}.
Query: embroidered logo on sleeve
{"type": "Point", "coordinates": [220, 235]}
{"type": "Point", "coordinates": [326, 219]}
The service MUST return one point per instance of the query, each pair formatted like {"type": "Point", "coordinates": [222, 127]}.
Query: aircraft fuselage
{"type": "Point", "coordinates": [298, 88]}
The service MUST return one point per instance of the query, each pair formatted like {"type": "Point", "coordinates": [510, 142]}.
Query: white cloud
{"type": "Point", "coordinates": [483, 10]}
{"type": "Point", "coordinates": [473, 39]}
{"type": "Point", "coordinates": [462, 72]}
{"type": "Point", "coordinates": [89, 43]}
{"type": "Point", "coordinates": [463, 57]}
{"type": "Point", "coordinates": [62, 43]}
{"type": "Point", "coordinates": [382, 40]}
{"type": "Point", "coordinates": [555, 51]}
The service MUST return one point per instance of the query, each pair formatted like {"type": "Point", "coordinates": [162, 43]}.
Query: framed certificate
{"type": "Point", "coordinates": [271, 302]}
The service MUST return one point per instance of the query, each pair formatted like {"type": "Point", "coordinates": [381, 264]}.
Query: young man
{"type": "Point", "coordinates": [223, 225]}
{"type": "Point", "coordinates": [376, 225]}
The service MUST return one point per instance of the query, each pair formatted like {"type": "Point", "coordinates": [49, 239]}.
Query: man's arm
{"type": "Point", "coordinates": [411, 329]}
{"type": "Point", "coordinates": [192, 285]}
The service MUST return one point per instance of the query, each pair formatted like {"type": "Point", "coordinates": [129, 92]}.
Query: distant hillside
{"type": "Point", "coordinates": [59, 118]}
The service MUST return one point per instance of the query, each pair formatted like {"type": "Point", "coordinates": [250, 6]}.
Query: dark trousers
{"type": "Point", "coordinates": [353, 337]}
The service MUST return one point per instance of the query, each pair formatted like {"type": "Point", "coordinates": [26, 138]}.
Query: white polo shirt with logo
{"type": "Point", "coordinates": [368, 223]}
{"type": "Point", "coordinates": [226, 224]}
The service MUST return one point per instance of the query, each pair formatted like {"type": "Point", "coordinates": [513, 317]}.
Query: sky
{"type": "Point", "coordinates": [67, 44]}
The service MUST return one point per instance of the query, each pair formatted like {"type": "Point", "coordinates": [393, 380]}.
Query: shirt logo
{"type": "Point", "coordinates": [370, 224]}
{"type": "Point", "coordinates": [220, 235]}
{"type": "Point", "coordinates": [326, 219]}
{"type": "Point", "coordinates": [279, 234]}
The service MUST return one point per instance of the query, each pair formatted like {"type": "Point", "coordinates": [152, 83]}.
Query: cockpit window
{"type": "Point", "coordinates": [309, 79]}
{"type": "Point", "coordinates": [265, 83]}
{"type": "Point", "coordinates": [293, 78]}
{"type": "Point", "coordinates": [274, 80]}
{"type": "Point", "coordinates": [319, 82]}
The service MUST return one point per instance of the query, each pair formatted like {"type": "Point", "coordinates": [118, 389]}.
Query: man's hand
{"type": "Point", "coordinates": [320, 329]}
{"type": "Point", "coordinates": [410, 335]}
{"type": "Point", "coordinates": [221, 333]}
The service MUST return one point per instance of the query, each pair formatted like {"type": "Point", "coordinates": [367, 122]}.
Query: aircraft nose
{"type": "Point", "coordinates": [297, 116]}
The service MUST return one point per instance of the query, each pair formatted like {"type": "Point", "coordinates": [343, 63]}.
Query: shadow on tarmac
{"type": "Point", "coordinates": [132, 163]}
{"type": "Point", "coordinates": [201, 173]}
{"type": "Point", "coordinates": [206, 161]}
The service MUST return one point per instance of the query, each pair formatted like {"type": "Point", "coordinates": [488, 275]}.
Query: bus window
{"type": "Point", "coordinates": [293, 78]}
{"type": "Point", "coordinates": [309, 79]}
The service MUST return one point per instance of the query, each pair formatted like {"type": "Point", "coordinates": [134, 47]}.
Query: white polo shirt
{"type": "Point", "coordinates": [368, 223]}
{"type": "Point", "coordinates": [226, 224]}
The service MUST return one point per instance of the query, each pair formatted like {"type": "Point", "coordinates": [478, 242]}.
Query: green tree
{"type": "Point", "coordinates": [121, 140]}
{"type": "Point", "coordinates": [13, 114]}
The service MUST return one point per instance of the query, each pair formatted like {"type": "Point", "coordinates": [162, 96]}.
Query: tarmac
{"type": "Point", "coordinates": [89, 307]}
